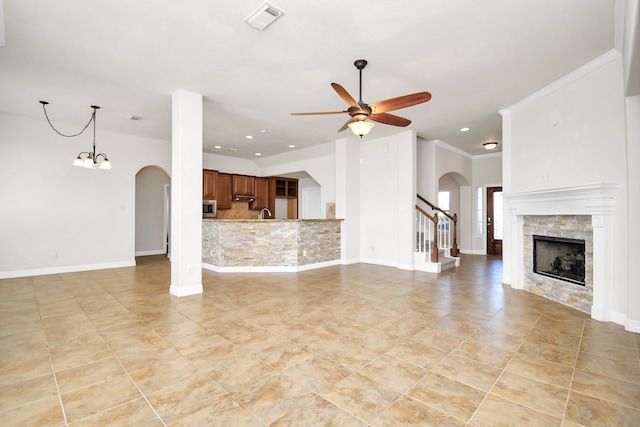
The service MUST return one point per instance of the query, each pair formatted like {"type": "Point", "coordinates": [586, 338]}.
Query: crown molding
{"type": "Point", "coordinates": [593, 65]}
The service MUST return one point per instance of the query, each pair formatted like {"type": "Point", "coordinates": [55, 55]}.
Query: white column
{"type": "Point", "coordinates": [348, 197]}
{"type": "Point", "coordinates": [186, 194]}
{"type": "Point", "coordinates": [407, 188]}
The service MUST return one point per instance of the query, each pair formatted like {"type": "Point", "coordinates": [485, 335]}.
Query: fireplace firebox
{"type": "Point", "coordinates": [560, 258]}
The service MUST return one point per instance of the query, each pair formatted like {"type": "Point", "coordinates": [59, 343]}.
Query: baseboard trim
{"type": "Point", "coordinates": [270, 269]}
{"type": "Point", "coordinates": [65, 269]}
{"type": "Point", "coordinates": [185, 291]}
{"type": "Point", "coordinates": [148, 253]}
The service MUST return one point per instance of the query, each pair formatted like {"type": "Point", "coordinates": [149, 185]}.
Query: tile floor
{"type": "Point", "coordinates": [341, 346]}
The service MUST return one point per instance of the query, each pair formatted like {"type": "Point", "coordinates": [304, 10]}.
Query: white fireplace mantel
{"type": "Point", "coordinates": [597, 200]}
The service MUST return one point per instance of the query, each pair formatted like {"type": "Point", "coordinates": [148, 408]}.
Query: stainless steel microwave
{"type": "Point", "coordinates": [209, 208]}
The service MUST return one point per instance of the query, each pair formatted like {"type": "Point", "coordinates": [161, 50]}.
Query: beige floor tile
{"type": "Point", "coordinates": [223, 411]}
{"type": "Point", "coordinates": [361, 396]}
{"type": "Point", "coordinates": [533, 394]}
{"type": "Point", "coordinates": [83, 402]}
{"type": "Point", "coordinates": [319, 413]}
{"type": "Point", "coordinates": [467, 371]}
{"type": "Point", "coordinates": [608, 367]}
{"type": "Point", "coordinates": [541, 370]}
{"type": "Point", "coordinates": [285, 355]}
{"type": "Point", "coordinates": [393, 373]}
{"type": "Point", "coordinates": [21, 370]}
{"type": "Point", "coordinates": [418, 353]}
{"type": "Point", "coordinates": [426, 348]}
{"type": "Point", "coordinates": [549, 352]}
{"type": "Point", "coordinates": [495, 354]}
{"type": "Point", "coordinates": [164, 373]}
{"type": "Point", "coordinates": [447, 395]}
{"type": "Point", "coordinates": [42, 413]}
{"type": "Point", "coordinates": [605, 388]}
{"type": "Point", "coordinates": [134, 413]}
{"type": "Point", "coordinates": [498, 412]}
{"type": "Point", "coordinates": [590, 411]}
{"type": "Point", "coordinates": [317, 373]}
{"type": "Point", "coordinates": [27, 391]}
{"type": "Point", "coordinates": [187, 397]}
{"type": "Point", "coordinates": [272, 397]}
{"type": "Point", "coordinates": [85, 375]}
{"type": "Point", "coordinates": [410, 412]}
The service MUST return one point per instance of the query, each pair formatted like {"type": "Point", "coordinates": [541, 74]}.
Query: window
{"type": "Point", "coordinates": [443, 200]}
{"type": "Point", "coordinates": [479, 212]}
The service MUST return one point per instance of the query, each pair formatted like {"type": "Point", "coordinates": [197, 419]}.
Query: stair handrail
{"type": "Point", "coordinates": [454, 218]}
{"type": "Point", "coordinates": [434, 220]}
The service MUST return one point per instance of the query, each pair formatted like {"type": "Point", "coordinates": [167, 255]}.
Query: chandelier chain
{"type": "Point", "coordinates": [93, 115]}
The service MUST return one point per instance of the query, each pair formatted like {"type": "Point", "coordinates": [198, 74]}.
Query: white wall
{"type": "Point", "coordinates": [575, 134]}
{"type": "Point", "coordinates": [228, 164]}
{"type": "Point", "coordinates": [56, 217]}
{"type": "Point", "coordinates": [319, 162]}
{"type": "Point", "coordinates": [149, 212]}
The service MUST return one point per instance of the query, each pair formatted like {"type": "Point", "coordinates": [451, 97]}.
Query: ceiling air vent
{"type": "Point", "coordinates": [264, 15]}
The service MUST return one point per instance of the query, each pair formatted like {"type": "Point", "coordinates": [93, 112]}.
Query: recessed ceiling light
{"type": "Point", "coordinates": [248, 136]}
{"type": "Point", "coordinates": [464, 129]}
{"type": "Point", "coordinates": [292, 146]}
{"type": "Point", "coordinates": [217, 146]}
{"type": "Point", "coordinates": [262, 131]}
{"type": "Point", "coordinates": [258, 154]}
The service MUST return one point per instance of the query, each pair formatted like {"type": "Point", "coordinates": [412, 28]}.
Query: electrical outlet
{"type": "Point", "coordinates": [373, 249]}
{"type": "Point", "coordinates": [53, 255]}
{"type": "Point", "coordinates": [304, 252]}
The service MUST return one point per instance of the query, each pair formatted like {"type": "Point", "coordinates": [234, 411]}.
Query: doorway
{"type": "Point", "coordinates": [494, 221]}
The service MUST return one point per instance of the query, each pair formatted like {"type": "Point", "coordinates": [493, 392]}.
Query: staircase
{"type": "Point", "coordinates": [436, 240]}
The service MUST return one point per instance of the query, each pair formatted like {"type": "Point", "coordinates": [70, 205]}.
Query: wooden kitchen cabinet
{"type": "Point", "coordinates": [261, 191]}
{"type": "Point", "coordinates": [243, 185]}
{"type": "Point", "coordinates": [223, 191]}
{"type": "Point", "coordinates": [209, 184]}
{"type": "Point", "coordinates": [284, 187]}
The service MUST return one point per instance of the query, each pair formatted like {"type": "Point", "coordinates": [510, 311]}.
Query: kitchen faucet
{"type": "Point", "coordinates": [262, 213]}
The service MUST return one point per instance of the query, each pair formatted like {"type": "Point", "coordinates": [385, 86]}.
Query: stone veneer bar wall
{"type": "Point", "coordinates": [270, 243]}
{"type": "Point", "coordinates": [570, 226]}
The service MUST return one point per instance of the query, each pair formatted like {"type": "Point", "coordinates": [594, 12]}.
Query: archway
{"type": "Point", "coordinates": [152, 211]}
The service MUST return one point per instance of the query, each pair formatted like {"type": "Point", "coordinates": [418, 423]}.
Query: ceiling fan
{"type": "Point", "coordinates": [360, 111]}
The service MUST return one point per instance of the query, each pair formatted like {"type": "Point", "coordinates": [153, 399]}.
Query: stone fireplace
{"type": "Point", "coordinates": [567, 215]}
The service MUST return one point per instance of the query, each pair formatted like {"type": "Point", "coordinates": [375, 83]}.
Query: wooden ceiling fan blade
{"type": "Point", "coordinates": [346, 125]}
{"type": "Point", "coordinates": [390, 119]}
{"type": "Point", "coordinates": [346, 97]}
{"type": "Point", "coordinates": [318, 113]}
{"type": "Point", "coordinates": [400, 102]}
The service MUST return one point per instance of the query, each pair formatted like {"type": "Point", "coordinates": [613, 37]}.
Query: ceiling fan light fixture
{"type": "Point", "coordinates": [491, 145]}
{"type": "Point", "coordinates": [361, 128]}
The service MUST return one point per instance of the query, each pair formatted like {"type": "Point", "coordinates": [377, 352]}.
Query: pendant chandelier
{"type": "Point", "coordinates": [86, 159]}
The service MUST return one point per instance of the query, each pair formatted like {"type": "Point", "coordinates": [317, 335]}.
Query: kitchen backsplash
{"type": "Point", "coordinates": [239, 210]}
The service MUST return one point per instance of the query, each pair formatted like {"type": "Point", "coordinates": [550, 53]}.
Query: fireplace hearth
{"type": "Point", "coordinates": [560, 258]}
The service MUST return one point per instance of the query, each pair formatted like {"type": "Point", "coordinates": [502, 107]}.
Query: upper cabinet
{"type": "Point", "coordinates": [243, 185]}
{"type": "Point", "coordinates": [284, 187]}
{"type": "Point", "coordinates": [209, 184]}
{"type": "Point", "coordinates": [261, 194]}
{"type": "Point", "coordinates": [223, 190]}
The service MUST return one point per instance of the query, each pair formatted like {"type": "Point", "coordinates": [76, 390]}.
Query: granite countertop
{"type": "Point", "coordinates": [269, 220]}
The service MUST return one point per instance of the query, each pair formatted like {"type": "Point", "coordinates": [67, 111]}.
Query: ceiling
{"type": "Point", "coordinates": [129, 57]}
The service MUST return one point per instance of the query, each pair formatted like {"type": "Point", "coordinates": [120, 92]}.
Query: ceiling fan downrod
{"type": "Point", "coordinates": [360, 64]}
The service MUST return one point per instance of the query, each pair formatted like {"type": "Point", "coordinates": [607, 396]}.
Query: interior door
{"type": "Point", "coordinates": [494, 220]}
